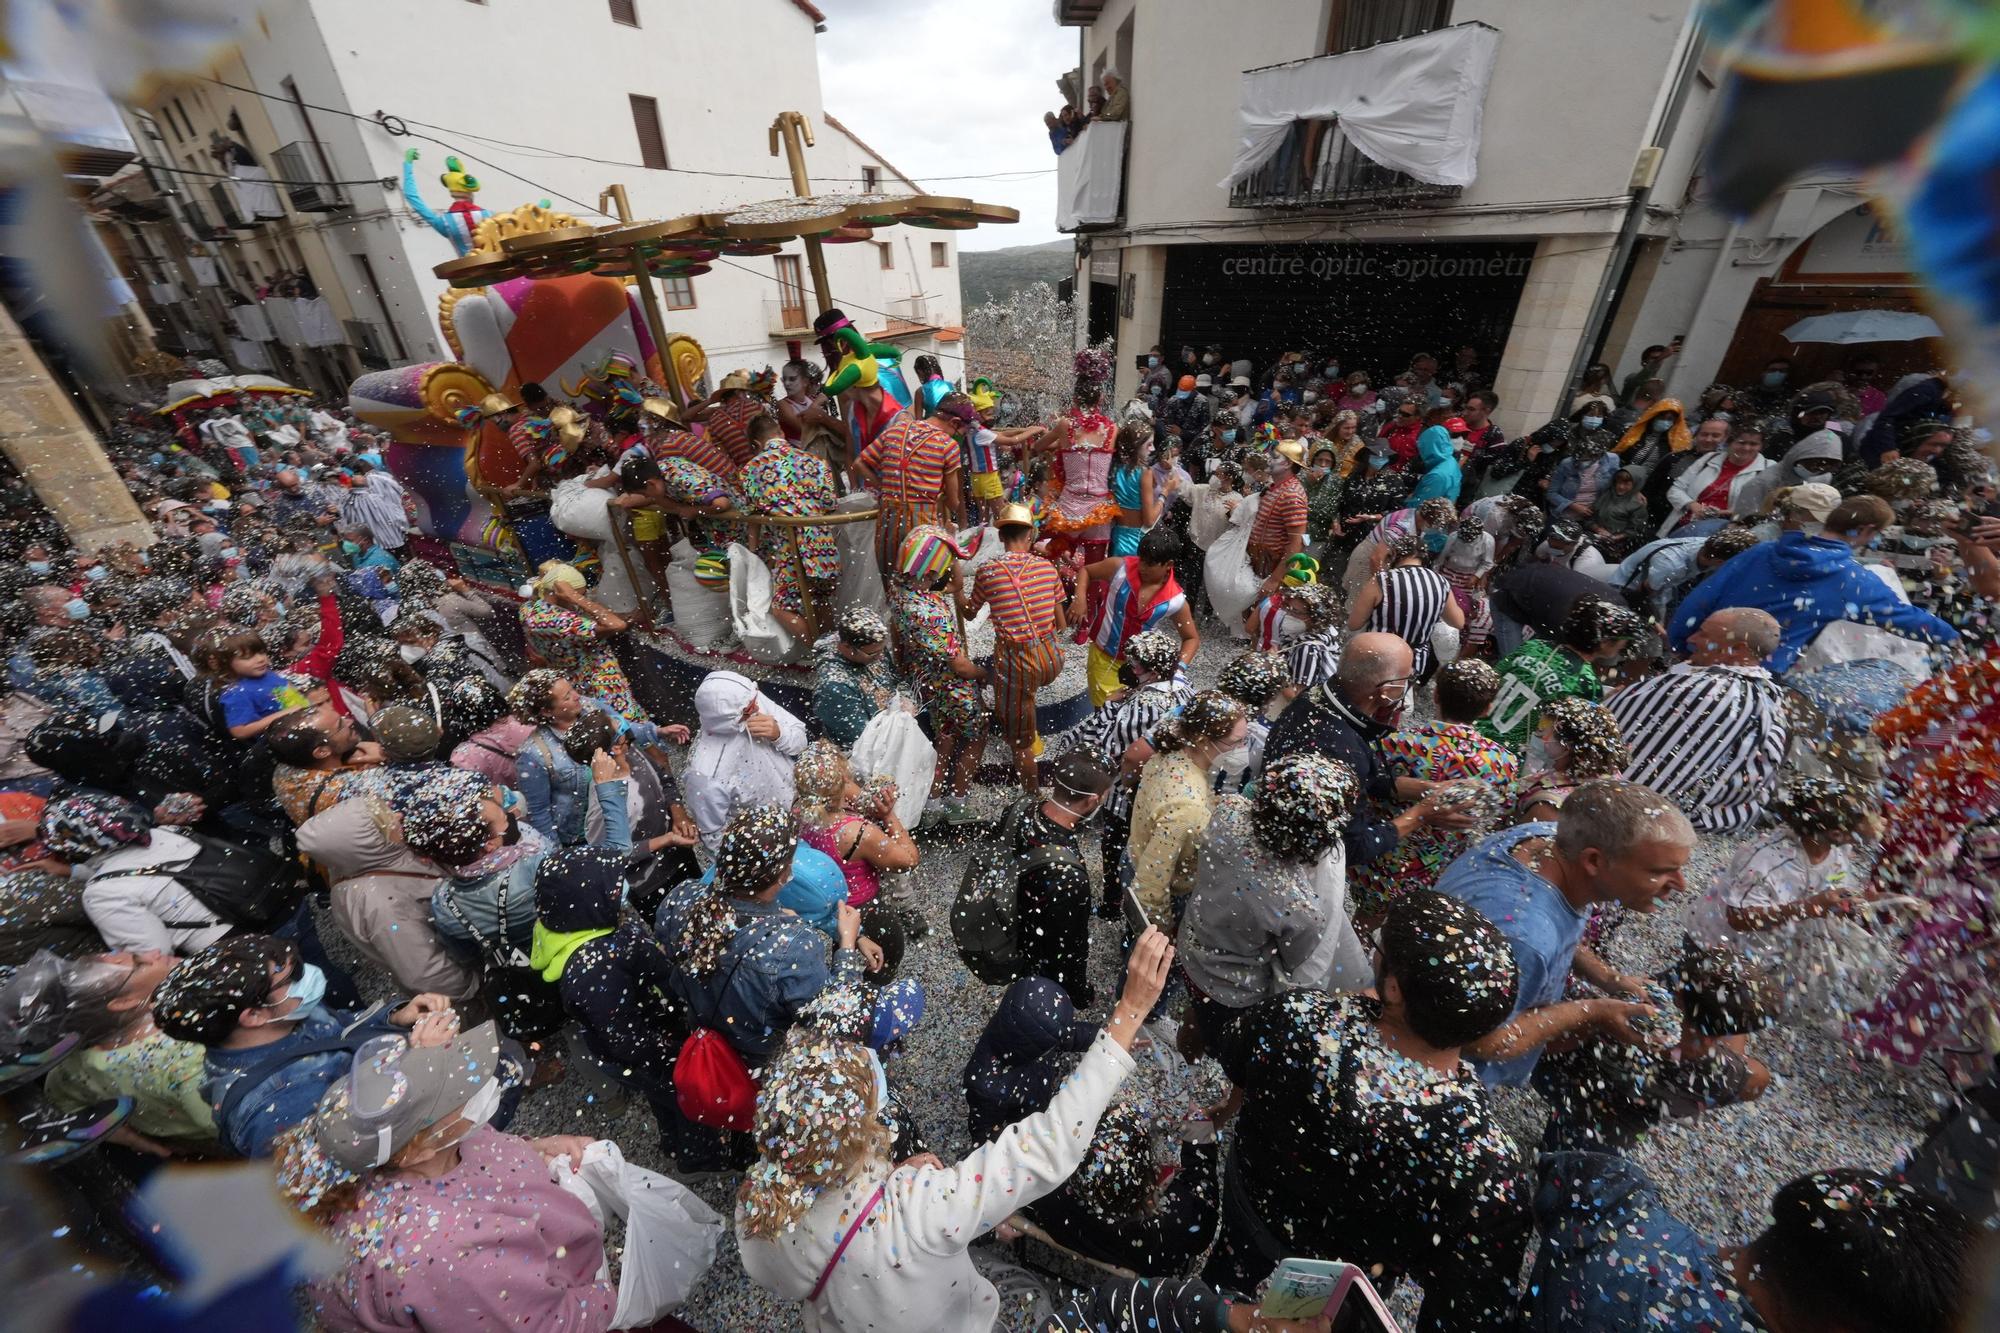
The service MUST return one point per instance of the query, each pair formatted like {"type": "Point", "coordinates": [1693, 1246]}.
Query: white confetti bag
{"type": "Point", "coordinates": [701, 615]}
{"type": "Point", "coordinates": [894, 746]}
{"type": "Point", "coordinates": [670, 1234]}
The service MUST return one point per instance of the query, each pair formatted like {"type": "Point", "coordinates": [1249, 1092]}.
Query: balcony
{"type": "Point", "coordinates": [1090, 177]}
{"type": "Point", "coordinates": [302, 168]}
{"type": "Point", "coordinates": [223, 195]}
{"type": "Point", "coordinates": [1318, 133]}
{"type": "Point", "coordinates": [1318, 168]}
{"type": "Point", "coordinates": [1078, 13]}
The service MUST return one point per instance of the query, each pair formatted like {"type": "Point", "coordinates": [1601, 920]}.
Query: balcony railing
{"type": "Point", "coordinates": [299, 166]}
{"type": "Point", "coordinates": [1318, 168]}
{"type": "Point", "coordinates": [224, 196]}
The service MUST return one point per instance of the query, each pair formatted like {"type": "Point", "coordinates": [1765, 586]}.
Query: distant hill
{"type": "Point", "coordinates": [993, 275]}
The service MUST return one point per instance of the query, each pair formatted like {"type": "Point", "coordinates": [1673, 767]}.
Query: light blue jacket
{"type": "Point", "coordinates": [1567, 480]}
{"type": "Point", "coordinates": [557, 787]}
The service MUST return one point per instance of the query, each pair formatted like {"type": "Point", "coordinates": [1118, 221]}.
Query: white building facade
{"type": "Point", "coordinates": [1581, 237]}
{"type": "Point", "coordinates": [542, 100]}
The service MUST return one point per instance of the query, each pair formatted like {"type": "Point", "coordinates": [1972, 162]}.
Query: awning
{"type": "Point", "coordinates": [1414, 105]}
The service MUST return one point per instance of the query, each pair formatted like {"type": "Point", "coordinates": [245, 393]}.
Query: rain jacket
{"type": "Point", "coordinates": [612, 974]}
{"type": "Point", "coordinates": [1023, 1056]}
{"type": "Point", "coordinates": [1441, 475]}
{"type": "Point", "coordinates": [1807, 583]}
{"type": "Point", "coordinates": [1635, 445]}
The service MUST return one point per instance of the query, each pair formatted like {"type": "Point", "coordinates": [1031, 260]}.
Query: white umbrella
{"type": "Point", "coordinates": [1864, 326]}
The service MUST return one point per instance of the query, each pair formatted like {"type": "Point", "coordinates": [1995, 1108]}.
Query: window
{"type": "Point", "coordinates": [871, 181]}
{"type": "Point", "coordinates": [940, 255]}
{"type": "Point", "coordinates": [652, 139]}
{"type": "Point", "coordinates": [791, 291]}
{"type": "Point", "coordinates": [626, 12]}
{"type": "Point", "coordinates": [187, 126]}
{"type": "Point", "coordinates": [680, 293]}
{"type": "Point", "coordinates": [1353, 24]}
{"type": "Point", "coordinates": [887, 253]}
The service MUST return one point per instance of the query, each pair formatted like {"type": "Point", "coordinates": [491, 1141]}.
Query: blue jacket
{"type": "Point", "coordinates": [1439, 461]}
{"type": "Point", "coordinates": [1614, 1259]}
{"type": "Point", "coordinates": [479, 899]}
{"type": "Point", "coordinates": [774, 966]}
{"type": "Point", "coordinates": [1567, 480]}
{"type": "Point", "coordinates": [1807, 583]}
{"type": "Point", "coordinates": [557, 788]}
{"type": "Point", "coordinates": [289, 1095]}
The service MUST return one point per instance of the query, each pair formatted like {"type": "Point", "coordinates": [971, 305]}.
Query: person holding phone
{"type": "Point", "coordinates": [1365, 1136]}
{"type": "Point", "coordinates": [826, 1219]}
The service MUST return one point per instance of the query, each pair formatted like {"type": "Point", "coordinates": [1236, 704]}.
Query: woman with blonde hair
{"type": "Point", "coordinates": [827, 1219]}
{"type": "Point", "coordinates": [1177, 792]}
{"type": "Point", "coordinates": [860, 831]}
{"type": "Point", "coordinates": [567, 631]}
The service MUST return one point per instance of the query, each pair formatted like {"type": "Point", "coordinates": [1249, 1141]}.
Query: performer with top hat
{"type": "Point", "coordinates": [1026, 595]}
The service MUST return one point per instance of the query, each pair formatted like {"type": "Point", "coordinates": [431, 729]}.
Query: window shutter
{"type": "Point", "coordinates": [652, 140]}
{"type": "Point", "coordinates": [625, 11]}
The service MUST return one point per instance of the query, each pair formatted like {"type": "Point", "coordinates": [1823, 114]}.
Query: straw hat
{"type": "Point", "coordinates": [735, 379]}
{"type": "Point", "coordinates": [662, 408]}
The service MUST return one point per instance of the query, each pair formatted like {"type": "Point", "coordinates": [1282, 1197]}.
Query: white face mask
{"type": "Point", "coordinates": [483, 1104]}
{"type": "Point", "coordinates": [1234, 763]}
{"type": "Point", "coordinates": [411, 652]}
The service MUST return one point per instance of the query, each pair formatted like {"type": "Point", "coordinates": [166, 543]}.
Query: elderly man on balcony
{"type": "Point", "coordinates": [1117, 98]}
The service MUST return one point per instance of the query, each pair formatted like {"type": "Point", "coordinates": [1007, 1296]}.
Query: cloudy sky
{"type": "Point", "coordinates": [973, 106]}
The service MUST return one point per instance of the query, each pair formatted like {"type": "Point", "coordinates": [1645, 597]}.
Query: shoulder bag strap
{"type": "Point", "coordinates": [827, 1273]}
{"type": "Point", "coordinates": [253, 1078]}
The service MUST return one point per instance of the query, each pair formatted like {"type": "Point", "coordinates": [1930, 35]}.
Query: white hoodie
{"type": "Point", "coordinates": [730, 770]}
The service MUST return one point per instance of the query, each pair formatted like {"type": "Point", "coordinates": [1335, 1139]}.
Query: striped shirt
{"type": "Point", "coordinates": [1314, 659]}
{"type": "Point", "coordinates": [1274, 628]}
{"type": "Point", "coordinates": [1122, 615]}
{"type": "Point", "coordinates": [1413, 598]}
{"type": "Point", "coordinates": [1281, 515]}
{"type": "Point", "coordinates": [1117, 727]}
{"type": "Point", "coordinates": [697, 449]}
{"type": "Point", "coordinates": [1708, 738]}
{"type": "Point", "coordinates": [912, 458]}
{"type": "Point", "coordinates": [729, 425]}
{"type": "Point", "coordinates": [1024, 591]}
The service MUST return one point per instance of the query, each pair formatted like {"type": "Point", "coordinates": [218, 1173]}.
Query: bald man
{"type": "Point", "coordinates": [1711, 733]}
{"type": "Point", "coordinates": [1345, 719]}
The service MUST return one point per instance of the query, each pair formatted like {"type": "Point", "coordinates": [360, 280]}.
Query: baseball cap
{"type": "Point", "coordinates": [406, 733]}
{"type": "Point", "coordinates": [1457, 426]}
{"type": "Point", "coordinates": [1240, 382]}
{"type": "Point", "coordinates": [1565, 532]}
{"type": "Point", "coordinates": [394, 1092]}
{"type": "Point", "coordinates": [1187, 382]}
{"type": "Point", "coordinates": [1814, 498]}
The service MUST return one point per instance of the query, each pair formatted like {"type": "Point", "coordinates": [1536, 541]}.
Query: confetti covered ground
{"type": "Point", "coordinates": [1717, 1171]}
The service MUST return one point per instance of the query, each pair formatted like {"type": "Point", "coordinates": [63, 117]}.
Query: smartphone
{"type": "Point", "coordinates": [1136, 919]}
{"type": "Point", "coordinates": [1303, 1288]}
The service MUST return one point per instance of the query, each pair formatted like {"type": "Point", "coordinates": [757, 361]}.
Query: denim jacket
{"type": "Point", "coordinates": [1568, 480]}
{"type": "Point", "coordinates": [557, 787]}
{"type": "Point", "coordinates": [774, 966]}
{"type": "Point", "coordinates": [479, 899]}
{"type": "Point", "coordinates": [291, 1094]}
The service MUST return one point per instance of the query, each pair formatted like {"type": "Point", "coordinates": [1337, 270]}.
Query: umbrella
{"type": "Point", "coordinates": [1864, 326]}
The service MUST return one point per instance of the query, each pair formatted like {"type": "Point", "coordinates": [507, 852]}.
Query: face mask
{"type": "Point", "coordinates": [1435, 540]}
{"type": "Point", "coordinates": [1773, 378]}
{"type": "Point", "coordinates": [97, 572]}
{"type": "Point", "coordinates": [1183, 393]}
{"type": "Point", "coordinates": [483, 1105]}
{"type": "Point", "coordinates": [1659, 425]}
{"type": "Point", "coordinates": [1592, 423]}
{"type": "Point", "coordinates": [1318, 471]}
{"type": "Point", "coordinates": [230, 553]}
{"type": "Point", "coordinates": [39, 566]}
{"type": "Point", "coordinates": [1377, 460]}
{"type": "Point", "coordinates": [1232, 763]}
{"type": "Point", "coordinates": [308, 988]}
{"type": "Point", "coordinates": [1151, 362]}
{"type": "Point", "coordinates": [1538, 755]}
{"type": "Point", "coordinates": [410, 653]}
{"type": "Point", "coordinates": [352, 548]}
{"type": "Point", "coordinates": [1333, 372]}
{"type": "Point", "coordinates": [78, 608]}
{"type": "Point", "coordinates": [1083, 819]}
{"type": "Point", "coordinates": [1229, 437]}
{"type": "Point", "coordinates": [881, 1084]}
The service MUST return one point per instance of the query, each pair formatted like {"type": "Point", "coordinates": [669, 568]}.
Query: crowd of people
{"type": "Point", "coordinates": [1107, 99]}
{"type": "Point", "coordinates": [1466, 705]}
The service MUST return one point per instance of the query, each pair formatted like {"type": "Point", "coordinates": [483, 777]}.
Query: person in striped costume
{"type": "Point", "coordinates": [1141, 593]}
{"type": "Point", "coordinates": [1407, 599]}
{"type": "Point", "coordinates": [913, 467]}
{"type": "Point", "coordinates": [1026, 595]}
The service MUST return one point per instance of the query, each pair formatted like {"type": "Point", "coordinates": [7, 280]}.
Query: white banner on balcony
{"type": "Point", "coordinates": [284, 317]}
{"type": "Point", "coordinates": [250, 322]}
{"type": "Point", "coordinates": [256, 197]}
{"type": "Point", "coordinates": [1088, 176]}
{"type": "Point", "coordinates": [249, 355]}
{"type": "Point", "coordinates": [205, 271]}
{"type": "Point", "coordinates": [316, 320]}
{"type": "Point", "coordinates": [1414, 105]}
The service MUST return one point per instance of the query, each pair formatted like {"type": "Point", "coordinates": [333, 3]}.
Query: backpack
{"type": "Point", "coordinates": [711, 1083]}
{"type": "Point", "coordinates": [246, 887]}
{"type": "Point", "coordinates": [987, 910]}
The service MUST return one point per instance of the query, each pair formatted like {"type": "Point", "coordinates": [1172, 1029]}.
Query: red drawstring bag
{"type": "Point", "coordinates": [712, 1084]}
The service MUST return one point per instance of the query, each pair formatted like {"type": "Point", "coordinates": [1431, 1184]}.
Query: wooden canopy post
{"type": "Point", "coordinates": [791, 127]}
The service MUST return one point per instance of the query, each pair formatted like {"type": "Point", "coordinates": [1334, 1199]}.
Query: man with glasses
{"type": "Point", "coordinates": [1401, 429]}
{"type": "Point", "coordinates": [1346, 719]}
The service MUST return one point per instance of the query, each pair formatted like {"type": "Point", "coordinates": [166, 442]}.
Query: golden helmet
{"type": "Point", "coordinates": [1014, 515]}
{"type": "Point", "coordinates": [493, 404]}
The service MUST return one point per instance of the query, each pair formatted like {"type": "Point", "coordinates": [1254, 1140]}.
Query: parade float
{"type": "Point", "coordinates": [538, 296]}
{"type": "Point", "coordinates": [188, 401]}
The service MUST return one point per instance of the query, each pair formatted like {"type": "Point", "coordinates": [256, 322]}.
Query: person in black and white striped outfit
{"type": "Point", "coordinates": [1710, 734]}
{"type": "Point", "coordinates": [1407, 599]}
{"type": "Point", "coordinates": [1314, 657]}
